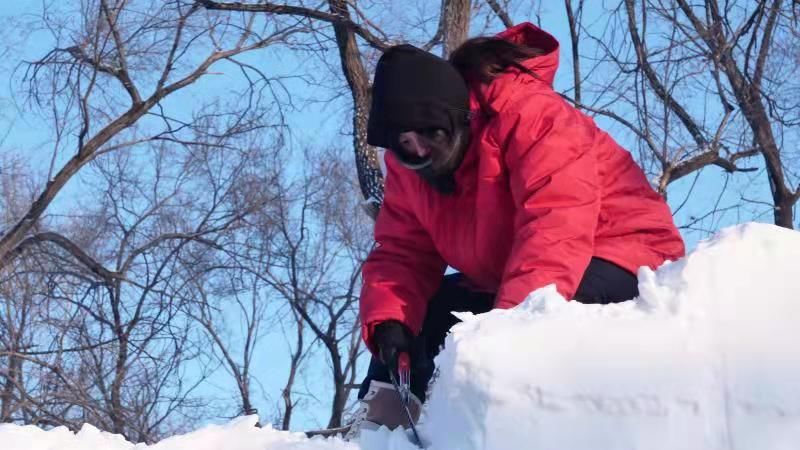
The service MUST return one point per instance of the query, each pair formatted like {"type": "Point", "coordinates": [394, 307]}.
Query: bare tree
{"type": "Point", "coordinates": [227, 298]}
{"type": "Point", "coordinates": [112, 280]}
{"type": "Point", "coordinates": [104, 282]}
{"type": "Point", "coordinates": [316, 265]}
{"type": "Point", "coordinates": [16, 309]}
{"type": "Point", "coordinates": [113, 344]}
{"type": "Point", "coordinates": [249, 301]}
{"type": "Point", "coordinates": [117, 65]}
{"type": "Point", "coordinates": [701, 86]}
{"type": "Point", "coordinates": [349, 22]}
{"type": "Point", "coordinates": [745, 67]}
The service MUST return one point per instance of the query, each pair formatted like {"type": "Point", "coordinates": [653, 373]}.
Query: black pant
{"type": "Point", "coordinates": [603, 282]}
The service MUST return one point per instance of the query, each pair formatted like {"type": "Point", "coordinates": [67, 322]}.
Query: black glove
{"type": "Point", "coordinates": [391, 338]}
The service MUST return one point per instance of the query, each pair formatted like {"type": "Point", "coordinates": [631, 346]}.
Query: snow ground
{"type": "Point", "coordinates": [707, 358]}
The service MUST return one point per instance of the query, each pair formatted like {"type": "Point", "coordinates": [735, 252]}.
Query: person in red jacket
{"type": "Point", "coordinates": [492, 173]}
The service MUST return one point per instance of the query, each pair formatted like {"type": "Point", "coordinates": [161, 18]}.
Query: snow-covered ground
{"type": "Point", "coordinates": [707, 358]}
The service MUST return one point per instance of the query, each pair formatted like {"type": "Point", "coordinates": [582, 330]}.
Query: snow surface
{"type": "Point", "coordinates": [707, 358]}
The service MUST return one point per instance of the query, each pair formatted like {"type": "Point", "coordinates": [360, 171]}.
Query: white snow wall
{"type": "Point", "coordinates": [708, 358]}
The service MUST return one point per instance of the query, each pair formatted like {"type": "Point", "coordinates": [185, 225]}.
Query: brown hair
{"type": "Point", "coordinates": [482, 59]}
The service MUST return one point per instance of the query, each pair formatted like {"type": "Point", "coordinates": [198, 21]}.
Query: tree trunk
{"type": "Point", "coordinates": [7, 397]}
{"type": "Point", "coordinates": [456, 19]}
{"type": "Point", "coordinates": [339, 400]}
{"type": "Point", "coordinates": [747, 91]}
{"type": "Point", "coordinates": [288, 404]}
{"type": "Point", "coordinates": [338, 405]}
{"type": "Point", "coordinates": [370, 177]}
{"type": "Point", "coordinates": [117, 413]}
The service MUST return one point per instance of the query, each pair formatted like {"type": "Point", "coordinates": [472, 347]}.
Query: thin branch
{"type": "Point", "coordinates": [766, 42]}
{"type": "Point", "coordinates": [655, 82]}
{"type": "Point", "coordinates": [575, 41]}
{"type": "Point", "coordinates": [122, 72]}
{"type": "Point", "coordinates": [6, 352]}
{"type": "Point", "coordinates": [501, 13]}
{"type": "Point", "coordinates": [88, 151]}
{"type": "Point", "coordinates": [271, 8]}
{"type": "Point", "coordinates": [440, 28]}
{"type": "Point", "coordinates": [70, 247]}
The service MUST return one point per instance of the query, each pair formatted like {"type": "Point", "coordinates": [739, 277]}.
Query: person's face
{"type": "Point", "coordinates": [430, 147]}
{"type": "Point", "coordinates": [416, 148]}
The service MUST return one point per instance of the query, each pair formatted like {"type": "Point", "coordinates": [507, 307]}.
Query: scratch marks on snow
{"type": "Point", "coordinates": [766, 410]}
{"type": "Point", "coordinates": [610, 405]}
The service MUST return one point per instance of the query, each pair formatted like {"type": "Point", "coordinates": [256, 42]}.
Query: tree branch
{"type": "Point", "coordinates": [501, 13]}
{"type": "Point", "coordinates": [710, 157]}
{"type": "Point", "coordinates": [122, 73]}
{"type": "Point", "coordinates": [440, 27]}
{"type": "Point", "coordinates": [271, 8]}
{"type": "Point", "coordinates": [766, 40]}
{"type": "Point", "coordinates": [574, 35]}
{"type": "Point", "coordinates": [748, 96]}
{"type": "Point", "coordinates": [88, 151]}
{"type": "Point", "coordinates": [70, 247]}
{"type": "Point", "coordinates": [659, 89]}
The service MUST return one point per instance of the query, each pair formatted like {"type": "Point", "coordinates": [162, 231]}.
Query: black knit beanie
{"type": "Point", "coordinates": [414, 90]}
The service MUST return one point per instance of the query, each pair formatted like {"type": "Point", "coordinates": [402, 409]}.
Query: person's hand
{"type": "Point", "coordinates": [391, 338]}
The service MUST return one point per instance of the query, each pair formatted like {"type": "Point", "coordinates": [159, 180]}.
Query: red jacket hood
{"type": "Point", "coordinates": [529, 35]}
{"type": "Point", "coordinates": [544, 66]}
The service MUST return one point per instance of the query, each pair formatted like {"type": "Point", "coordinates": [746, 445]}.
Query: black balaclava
{"type": "Point", "coordinates": [415, 90]}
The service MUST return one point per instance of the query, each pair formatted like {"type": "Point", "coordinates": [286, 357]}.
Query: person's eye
{"type": "Point", "coordinates": [437, 135]}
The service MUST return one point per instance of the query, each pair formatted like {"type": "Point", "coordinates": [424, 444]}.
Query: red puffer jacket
{"type": "Point", "coordinates": [540, 192]}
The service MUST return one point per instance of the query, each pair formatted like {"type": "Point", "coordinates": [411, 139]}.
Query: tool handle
{"type": "Point", "coordinates": [404, 389]}
{"type": "Point", "coordinates": [404, 373]}
{"type": "Point", "coordinates": [403, 362]}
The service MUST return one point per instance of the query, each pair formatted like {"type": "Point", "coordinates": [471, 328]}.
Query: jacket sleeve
{"type": "Point", "coordinates": [554, 185]}
{"type": "Point", "coordinates": [404, 270]}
